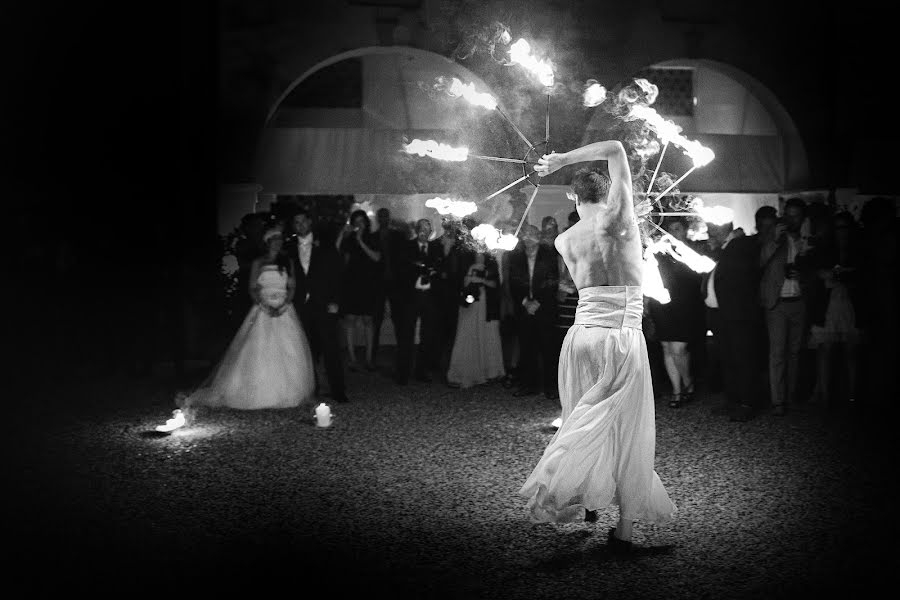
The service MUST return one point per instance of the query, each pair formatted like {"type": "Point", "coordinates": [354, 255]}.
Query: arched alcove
{"type": "Point", "coordinates": [339, 128]}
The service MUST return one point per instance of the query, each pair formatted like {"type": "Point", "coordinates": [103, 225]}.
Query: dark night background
{"type": "Point", "coordinates": [115, 138]}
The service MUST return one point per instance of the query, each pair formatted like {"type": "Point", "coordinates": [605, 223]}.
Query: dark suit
{"type": "Point", "coordinates": [447, 287]}
{"type": "Point", "coordinates": [391, 248]}
{"type": "Point", "coordinates": [418, 304]}
{"type": "Point", "coordinates": [315, 290]}
{"type": "Point", "coordinates": [537, 333]}
{"type": "Point", "coordinates": [737, 321]}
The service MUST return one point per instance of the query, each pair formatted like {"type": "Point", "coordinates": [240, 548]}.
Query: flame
{"type": "Point", "coordinates": [594, 93]}
{"type": "Point", "coordinates": [436, 150]}
{"type": "Point", "coordinates": [652, 285]}
{"type": "Point", "coordinates": [177, 420]}
{"type": "Point", "coordinates": [669, 132]}
{"type": "Point", "coordinates": [520, 52]}
{"type": "Point", "coordinates": [665, 129]}
{"type": "Point", "coordinates": [557, 422]}
{"type": "Point", "coordinates": [493, 238]}
{"type": "Point", "coordinates": [700, 154]}
{"type": "Point", "coordinates": [648, 88]}
{"type": "Point", "coordinates": [447, 206]}
{"type": "Point", "coordinates": [717, 215]}
{"type": "Point", "coordinates": [456, 88]}
{"type": "Point", "coordinates": [683, 253]}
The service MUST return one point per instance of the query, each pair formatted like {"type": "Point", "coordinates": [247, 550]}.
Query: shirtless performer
{"type": "Point", "coordinates": [603, 452]}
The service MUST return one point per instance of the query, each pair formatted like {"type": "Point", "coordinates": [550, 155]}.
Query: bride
{"type": "Point", "coordinates": [268, 363]}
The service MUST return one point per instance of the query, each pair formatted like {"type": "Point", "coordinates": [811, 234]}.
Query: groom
{"type": "Point", "coordinates": [317, 271]}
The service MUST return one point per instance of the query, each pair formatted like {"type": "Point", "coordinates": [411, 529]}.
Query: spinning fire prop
{"type": "Point", "coordinates": [631, 103]}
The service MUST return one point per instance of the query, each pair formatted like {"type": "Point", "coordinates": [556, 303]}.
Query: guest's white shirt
{"type": "Point", "coordinates": [711, 300]}
{"type": "Point", "coordinates": [304, 245]}
{"type": "Point", "coordinates": [791, 287]}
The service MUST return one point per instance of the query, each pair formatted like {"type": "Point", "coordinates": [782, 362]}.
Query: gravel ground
{"type": "Point", "coordinates": [412, 494]}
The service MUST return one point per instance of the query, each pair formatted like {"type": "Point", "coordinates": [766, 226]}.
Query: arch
{"type": "Point", "coordinates": [376, 50]}
{"type": "Point", "coordinates": [363, 143]}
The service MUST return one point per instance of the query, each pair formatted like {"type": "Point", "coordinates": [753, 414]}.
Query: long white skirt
{"type": "Point", "coordinates": [477, 355]}
{"type": "Point", "coordinates": [604, 450]}
{"type": "Point", "coordinates": [267, 365]}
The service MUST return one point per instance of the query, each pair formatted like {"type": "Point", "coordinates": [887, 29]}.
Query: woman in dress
{"type": "Point", "coordinates": [832, 312]}
{"type": "Point", "coordinates": [268, 363]}
{"type": "Point", "coordinates": [477, 355]}
{"type": "Point", "coordinates": [361, 251]}
{"type": "Point", "coordinates": [676, 321]}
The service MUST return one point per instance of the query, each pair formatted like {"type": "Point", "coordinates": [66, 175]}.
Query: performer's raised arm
{"type": "Point", "coordinates": [620, 191]}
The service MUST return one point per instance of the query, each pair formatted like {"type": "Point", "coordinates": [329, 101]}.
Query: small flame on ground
{"type": "Point", "coordinates": [520, 53]}
{"type": "Point", "coordinates": [557, 422]}
{"type": "Point", "coordinates": [436, 150]}
{"type": "Point", "coordinates": [177, 420]}
{"type": "Point", "coordinates": [448, 206]}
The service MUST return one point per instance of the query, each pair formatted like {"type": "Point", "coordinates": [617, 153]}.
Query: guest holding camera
{"type": "Point", "coordinates": [477, 355]}
{"type": "Point", "coordinates": [361, 251]}
{"type": "Point", "coordinates": [785, 274]}
{"type": "Point", "coordinates": [417, 268]}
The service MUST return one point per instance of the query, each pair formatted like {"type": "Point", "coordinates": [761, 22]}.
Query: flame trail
{"type": "Point", "coordinates": [436, 150]}
{"type": "Point", "coordinates": [493, 238]}
{"type": "Point", "coordinates": [680, 252]}
{"type": "Point", "coordinates": [455, 88]}
{"type": "Point", "coordinates": [448, 206]}
{"type": "Point", "coordinates": [594, 93]}
{"type": "Point", "coordinates": [520, 52]}
{"type": "Point", "coordinates": [652, 284]}
{"type": "Point", "coordinates": [717, 215]}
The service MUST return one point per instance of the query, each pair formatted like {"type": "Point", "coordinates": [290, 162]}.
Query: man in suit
{"type": "Point", "coordinates": [447, 286]}
{"type": "Point", "coordinates": [391, 239]}
{"type": "Point", "coordinates": [416, 270]}
{"type": "Point", "coordinates": [733, 315]}
{"type": "Point", "coordinates": [785, 274]}
{"type": "Point", "coordinates": [534, 281]}
{"type": "Point", "coordinates": [317, 271]}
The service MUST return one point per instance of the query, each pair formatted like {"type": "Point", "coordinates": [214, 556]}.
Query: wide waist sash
{"type": "Point", "coordinates": [613, 306]}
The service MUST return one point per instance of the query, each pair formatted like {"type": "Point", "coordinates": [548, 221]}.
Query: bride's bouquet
{"type": "Point", "coordinates": [273, 301]}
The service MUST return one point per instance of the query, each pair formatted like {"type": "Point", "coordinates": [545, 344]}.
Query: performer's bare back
{"type": "Point", "coordinates": [604, 249]}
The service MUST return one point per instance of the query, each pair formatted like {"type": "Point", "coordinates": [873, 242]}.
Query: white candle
{"type": "Point", "coordinates": [323, 415]}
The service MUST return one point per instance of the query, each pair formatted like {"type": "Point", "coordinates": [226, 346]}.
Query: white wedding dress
{"type": "Point", "coordinates": [268, 363]}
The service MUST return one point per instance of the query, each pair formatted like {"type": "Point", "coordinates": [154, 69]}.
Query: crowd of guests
{"type": "Point", "coordinates": [465, 316]}
{"type": "Point", "coordinates": [807, 282]}
{"type": "Point", "coordinates": [461, 314]}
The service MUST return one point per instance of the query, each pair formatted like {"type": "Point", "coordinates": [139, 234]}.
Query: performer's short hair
{"type": "Point", "coordinates": [590, 185]}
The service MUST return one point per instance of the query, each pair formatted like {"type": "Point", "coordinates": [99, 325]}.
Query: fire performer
{"type": "Point", "coordinates": [603, 452]}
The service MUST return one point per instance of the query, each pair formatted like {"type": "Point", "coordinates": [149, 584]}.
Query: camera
{"type": "Point", "coordinates": [424, 272]}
